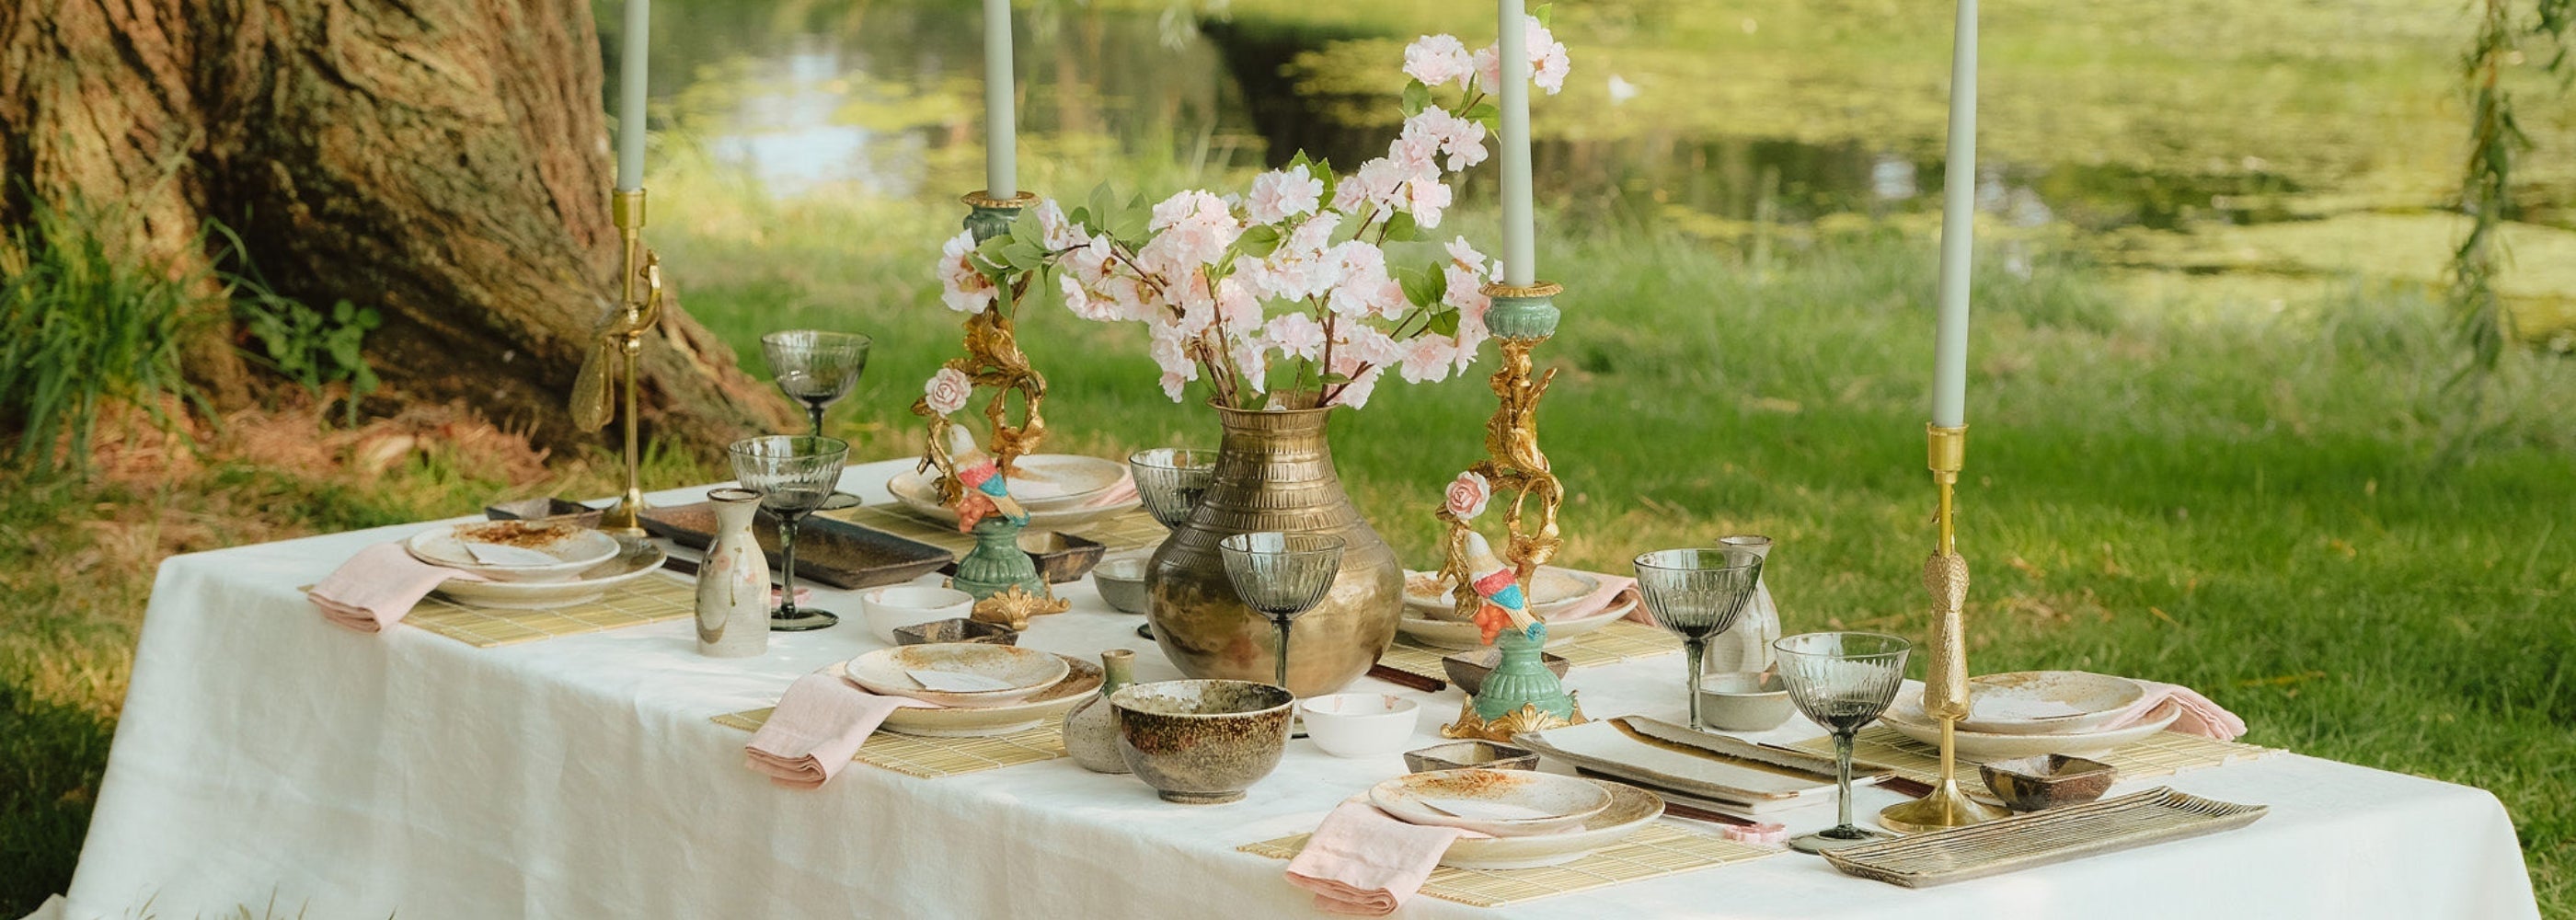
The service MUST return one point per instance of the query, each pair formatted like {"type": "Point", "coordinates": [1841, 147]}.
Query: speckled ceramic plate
{"type": "Point", "coordinates": [1456, 635]}
{"type": "Point", "coordinates": [2047, 702]}
{"type": "Point", "coordinates": [1532, 802]}
{"type": "Point", "coordinates": [1081, 680]}
{"type": "Point", "coordinates": [1022, 672]}
{"type": "Point", "coordinates": [918, 495]}
{"type": "Point", "coordinates": [1630, 808]}
{"type": "Point", "coordinates": [1907, 718]}
{"type": "Point", "coordinates": [1427, 596]}
{"type": "Point", "coordinates": [574, 550]}
{"type": "Point", "coordinates": [590, 585]}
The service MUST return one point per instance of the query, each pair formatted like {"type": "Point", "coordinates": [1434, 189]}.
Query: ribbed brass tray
{"type": "Point", "coordinates": [2041, 838]}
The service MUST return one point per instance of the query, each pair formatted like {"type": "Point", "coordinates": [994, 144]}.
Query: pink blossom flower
{"type": "Point", "coordinates": [1189, 205]}
{"type": "Point", "coordinates": [947, 390]}
{"type": "Point", "coordinates": [1281, 194]}
{"type": "Point", "coordinates": [1426, 197]}
{"type": "Point", "coordinates": [1296, 335]}
{"type": "Point", "coordinates": [1355, 393]}
{"type": "Point", "coordinates": [1057, 231]}
{"type": "Point", "coordinates": [1548, 62]}
{"type": "Point", "coordinates": [1252, 357]}
{"type": "Point", "coordinates": [1462, 140]}
{"type": "Point", "coordinates": [1174, 384]}
{"type": "Point", "coordinates": [1427, 359]}
{"type": "Point", "coordinates": [1238, 312]}
{"type": "Point", "coordinates": [1438, 59]}
{"type": "Point", "coordinates": [962, 286]}
{"type": "Point", "coordinates": [1467, 495]}
{"type": "Point", "coordinates": [1365, 288]}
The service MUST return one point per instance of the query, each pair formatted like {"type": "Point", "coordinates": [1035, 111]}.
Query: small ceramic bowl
{"type": "Point", "coordinates": [896, 606]}
{"type": "Point", "coordinates": [2047, 781]}
{"type": "Point", "coordinates": [1459, 755]}
{"type": "Point", "coordinates": [1744, 701]}
{"type": "Point", "coordinates": [1359, 724]}
{"type": "Point", "coordinates": [1467, 669]}
{"type": "Point", "coordinates": [1202, 742]}
{"type": "Point", "coordinates": [1122, 584]}
{"type": "Point", "coordinates": [1060, 557]}
{"type": "Point", "coordinates": [956, 630]}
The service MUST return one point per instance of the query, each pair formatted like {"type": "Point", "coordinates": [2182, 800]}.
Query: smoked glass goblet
{"type": "Point", "coordinates": [1842, 681]}
{"type": "Point", "coordinates": [1697, 594]}
{"type": "Point", "coordinates": [1170, 480]}
{"type": "Point", "coordinates": [1281, 575]}
{"type": "Point", "coordinates": [817, 368]}
{"type": "Point", "coordinates": [793, 473]}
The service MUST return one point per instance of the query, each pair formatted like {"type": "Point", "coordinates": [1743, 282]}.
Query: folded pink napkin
{"type": "Point", "coordinates": [1361, 861]}
{"type": "Point", "coordinates": [377, 587]}
{"type": "Point", "coordinates": [1614, 590]}
{"type": "Point", "coordinates": [2199, 715]}
{"type": "Point", "coordinates": [818, 726]}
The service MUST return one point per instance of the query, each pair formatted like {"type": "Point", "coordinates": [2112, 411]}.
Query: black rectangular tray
{"type": "Point", "coordinates": [836, 553]}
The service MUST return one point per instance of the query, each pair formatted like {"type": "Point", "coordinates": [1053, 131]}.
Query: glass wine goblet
{"type": "Point", "coordinates": [817, 368]}
{"type": "Point", "coordinates": [1281, 575]}
{"type": "Point", "coordinates": [793, 473]}
{"type": "Point", "coordinates": [1170, 480]}
{"type": "Point", "coordinates": [1697, 594]}
{"type": "Point", "coordinates": [1842, 680]}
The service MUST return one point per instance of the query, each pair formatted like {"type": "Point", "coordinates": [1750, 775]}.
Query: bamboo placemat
{"type": "Point", "coordinates": [2164, 754]}
{"type": "Point", "coordinates": [1658, 849]}
{"type": "Point", "coordinates": [1126, 530]}
{"type": "Point", "coordinates": [1610, 644]}
{"type": "Point", "coordinates": [650, 599]}
{"type": "Point", "coordinates": [932, 758]}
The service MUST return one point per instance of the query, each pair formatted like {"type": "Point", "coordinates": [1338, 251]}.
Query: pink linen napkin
{"type": "Point", "coordinates": [818, 726]}
{"type": "Point", "coordinates": [1122, 493]}
{"type": "Point", "coordinates": [1363, 862]}
{"type": "Point", "coordinates": [1614, 590]}
{"type": "Point", "coordinates": [2199, 715]}
{"type": "Point", "coordinates": [378, 587]}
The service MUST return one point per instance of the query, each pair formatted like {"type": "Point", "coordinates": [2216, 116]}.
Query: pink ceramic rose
{"type": "Point", "coordinates": [1468, 494]}
{"type": "Point", "coordinates": [947, 390]}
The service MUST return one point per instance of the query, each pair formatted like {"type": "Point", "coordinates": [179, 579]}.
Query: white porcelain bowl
{"type": "Point", "coordinates": [894, 607]}
{"type": "Point", "coordinates": [1359, 724]}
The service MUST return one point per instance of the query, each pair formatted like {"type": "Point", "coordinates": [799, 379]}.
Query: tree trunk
{"type": "Point", "coordinates": [443, 161]}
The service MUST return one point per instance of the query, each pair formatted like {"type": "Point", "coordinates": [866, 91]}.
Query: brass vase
{"type": "Point", "coordinates": [1274, 471]}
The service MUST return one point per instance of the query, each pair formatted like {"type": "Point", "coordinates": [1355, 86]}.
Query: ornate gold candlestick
{"type": "Point", "coordinates": [620, 335]}
{"type": "Point", "coordinates": [1945, 681]}
{"type": "Point", "coordinates": [1004, 582]}
{"type": "Point", "coordinates": [1521, 694]}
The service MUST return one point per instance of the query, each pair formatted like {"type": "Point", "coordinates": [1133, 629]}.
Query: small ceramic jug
{"type": "Point", "coordinates": [1747, 645]}
{"type": "Point", "coordinates": [733, 583]}
{"type": "Point", "coordinates": [1091, 727]}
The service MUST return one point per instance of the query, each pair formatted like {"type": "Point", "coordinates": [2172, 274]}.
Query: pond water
{"type": "Point", "coordinates": [1675, 115]}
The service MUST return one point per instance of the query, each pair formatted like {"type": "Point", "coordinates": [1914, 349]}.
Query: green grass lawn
{"type": "Point", "coordinates": [2278, 505]}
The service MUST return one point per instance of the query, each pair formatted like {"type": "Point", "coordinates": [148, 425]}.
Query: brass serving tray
{"type": "Point", "coordinates": [2042, 838]}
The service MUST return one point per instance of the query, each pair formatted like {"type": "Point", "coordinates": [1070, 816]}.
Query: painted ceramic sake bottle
{"type": "Point", "coordinates": [733, 583]}
{"type": "Point", "coordinates": [1747, 645]}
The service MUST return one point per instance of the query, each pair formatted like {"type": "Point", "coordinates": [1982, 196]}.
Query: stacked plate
{"type": "Point", "coordinates": [1059, 490]}
{"type": "Point", "coordinates": [1532, 819]}
{"type": "Point", "coordinates": [1719, 772]}
{"type": "Point", "coordinates": [1430, 616]}
{"type": "Point", "coordinates": [981, 689]}
{"type": "Point", "coordinates": [2029, 713]}
{"type": "Point", "coordinates": [532, 565]}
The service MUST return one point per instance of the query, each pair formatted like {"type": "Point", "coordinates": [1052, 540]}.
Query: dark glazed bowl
{"type": "Point", "coordinates": [956, 630]}
{"type": "Point", "coordinates": [1060, 557]}
{"type": "Point", "coordinates": [1459, 755]}
{"type": "Point", "coordinates": [1202, 742]}
{"type": "Point", "coordinates": [1468, 669]}
{"type": "Point", "coordinates": [2047, 781]}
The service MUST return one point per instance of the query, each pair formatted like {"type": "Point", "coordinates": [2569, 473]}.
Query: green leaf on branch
{"type": "Point", "coordinates": [1401, 228]}
{"type": "Point", "coordinates": [1259, 241]}
{"type": "Point", "coordinates": [1546, 14]}
{"type": "Point", "coordinates": [1331, 378]}
{"type": "Point", "coordinates": [1417, 289]}
{"type": "Point", "coordinates": [1414, 323]}
{"type": "Point", "coordinates": [1445, 323]}
{"type": "Point", "coordinates": [1416, 97]}
{"type": "Point", "coordinates": [1484, 113]}
{"type": "Point", "coordinates": [1023, 255]}
{"type": "Point", "coordinates": [1103, 208]}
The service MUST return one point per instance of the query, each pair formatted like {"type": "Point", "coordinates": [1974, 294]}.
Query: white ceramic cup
{"type": "Point", "coordinates": [1359, 724]}
{"type": "Point", "coordinates": [896, 606]}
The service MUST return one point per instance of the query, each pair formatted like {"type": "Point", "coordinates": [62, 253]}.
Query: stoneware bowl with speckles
{"type": "Point", "coordinates": [1202, 742]}
{"type": "Point", "coordinates": [2047, 781]}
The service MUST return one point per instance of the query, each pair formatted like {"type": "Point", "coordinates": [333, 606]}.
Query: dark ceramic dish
{"type": "Point", "coordinates": [547, 510]}
{"type": "Point", "coordinates": [1201, 742]}
{"type": "Point", "coordinates": [955, 630]}
{"type": "Point", "coordinates": [1467, 669]}
{"type": "Point", "coordinates": [2047, 781]}
{"type": "Point", "coordinates": [836, 553]}
{"type": "Point", "coordinates": [1458, 755]}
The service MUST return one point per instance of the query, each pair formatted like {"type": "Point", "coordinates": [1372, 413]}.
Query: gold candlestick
{"type": "Point", "coordinates": [619, 338]}
{"type": "Point", "coordinates": [1945, 681]}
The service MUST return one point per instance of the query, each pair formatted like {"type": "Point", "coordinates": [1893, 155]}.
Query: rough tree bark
{"type": "Point", "coordinates": [444, 161]}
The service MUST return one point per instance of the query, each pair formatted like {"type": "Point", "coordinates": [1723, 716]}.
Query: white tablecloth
{"type": "Point", "coordinates": [264, 753]}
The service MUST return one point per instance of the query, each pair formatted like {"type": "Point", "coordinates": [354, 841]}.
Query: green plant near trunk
{"type": "Point", "coordinates": [83, 325]}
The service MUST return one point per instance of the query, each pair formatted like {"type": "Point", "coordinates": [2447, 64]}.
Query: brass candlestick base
{"type": "Point", "coordinates": [1521, 694]}
{"type": "Point", "coordinates": [1004, 582]}
{"type": "Point", "coordinates": [1945, 682]}
{"type": "Point", "coordinates": [620, 335]}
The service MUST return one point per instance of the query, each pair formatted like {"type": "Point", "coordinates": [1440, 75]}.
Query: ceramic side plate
{"type": "Point", "coordinates": [1427, 596]}
{"type": "Point", "coordinates": [1983, 747]}
{"type": "Point", "coordinates": [590, 585]}
{"type": "Point", "coordinates": [1455, 634]}
{"type": "Point", "coordinates": [1630, 808]}
{"type": "Point", "coordinates": [514, 550]}
{"type": "Point", "coordinates": [1013, 673]}
{"type": "Point", "coordinates": [2047, 702]}
{"type": "Point", "coordinates": [1082, 679]}
{"type": "Point", "coordinates": [1504, 803]}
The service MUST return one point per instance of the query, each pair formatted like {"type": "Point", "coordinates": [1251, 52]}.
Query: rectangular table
{"type": "Point", "coordinates": [266, 753]}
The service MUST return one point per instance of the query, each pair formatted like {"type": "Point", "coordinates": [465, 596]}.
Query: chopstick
{"type": "Point", "coordinates": [1910, 788]}
{"type": "Point", "coordinates": [682, 566]}
{"type": "Point", "coordinates": [1407, 678]}
{"type": "Point", "coordinates": [1677, 809]}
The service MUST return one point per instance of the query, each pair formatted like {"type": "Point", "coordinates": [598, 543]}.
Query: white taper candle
{"type": "Point", "coordinates": [1520, 232]}
{"type": "Point", "coordinates": [1001, 167]}
{"type": "Point", "coordinates": [1958, 229]}
{"type": "Point", "coordinates": [632, 52]}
